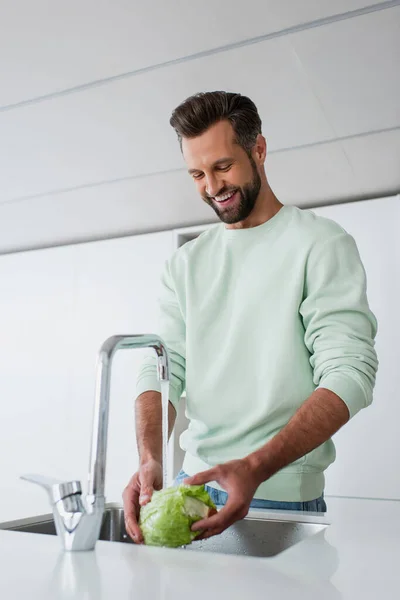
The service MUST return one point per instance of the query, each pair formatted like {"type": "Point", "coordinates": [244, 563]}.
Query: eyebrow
{"type": "Point", "coordinates": [220, 161]}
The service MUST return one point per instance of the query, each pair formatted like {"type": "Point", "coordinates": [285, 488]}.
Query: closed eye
{"type": "Point", "coordinates": [221, 168]}
{"type": "Point", "coordinates": [224, 168]}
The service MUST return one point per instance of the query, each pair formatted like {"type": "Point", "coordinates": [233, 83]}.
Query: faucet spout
{"type": "Point", "coordinates": [78, 523]}
{"type": "Point", "coordinates": [97, 466]}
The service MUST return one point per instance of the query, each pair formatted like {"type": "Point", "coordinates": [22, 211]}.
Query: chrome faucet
{"type": "Point", "coordinates": [78, 521]}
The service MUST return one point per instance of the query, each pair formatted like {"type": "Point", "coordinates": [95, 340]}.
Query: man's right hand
{"type": "Point", "coordinates": [137, 493]}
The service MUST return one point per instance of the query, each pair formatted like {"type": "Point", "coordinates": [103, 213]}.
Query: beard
{"type": "Point", "coordinates": [247, 195]}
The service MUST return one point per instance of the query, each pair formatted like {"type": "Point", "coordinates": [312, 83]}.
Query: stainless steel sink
{"type": "Point", "coordinates": [253, 536]}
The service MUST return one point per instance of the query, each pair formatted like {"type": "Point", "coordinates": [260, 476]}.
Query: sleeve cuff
{"type": "Point", "coordinates": [150, 383]}
{"type": "Point", "coordinates": [354, 392]}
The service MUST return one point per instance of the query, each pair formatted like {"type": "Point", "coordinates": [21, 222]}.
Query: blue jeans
{"type": "Point", "coordinates": [219, 498]}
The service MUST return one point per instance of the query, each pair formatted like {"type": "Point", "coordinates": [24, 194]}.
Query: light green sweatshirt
{"type": "Point", "coordinates": [255, 320]}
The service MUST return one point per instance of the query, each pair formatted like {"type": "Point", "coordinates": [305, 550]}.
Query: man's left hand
{"type": "Point", "coordinates": [239, 480]}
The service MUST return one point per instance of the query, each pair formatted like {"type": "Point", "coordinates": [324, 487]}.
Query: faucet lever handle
{"type": "Point", "coordinates": [56, 489]}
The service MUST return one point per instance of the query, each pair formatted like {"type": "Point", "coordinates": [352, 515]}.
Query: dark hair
{"type": "Point", "coordinates": [197, 113]}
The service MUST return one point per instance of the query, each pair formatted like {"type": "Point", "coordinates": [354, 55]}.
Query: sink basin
{"type": "Point", "coordinates": [253, 536]}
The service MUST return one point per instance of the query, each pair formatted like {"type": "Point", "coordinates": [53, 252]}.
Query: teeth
{"type": "Point", "coordinates": [225, 197]}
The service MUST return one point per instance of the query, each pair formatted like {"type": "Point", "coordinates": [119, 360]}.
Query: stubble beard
{"type": "Point", "coordinates": [242, 209]}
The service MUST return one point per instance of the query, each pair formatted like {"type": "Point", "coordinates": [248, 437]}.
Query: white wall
{"type": "Point", "coordinates": [57, 306]}
{"type": "Point", "coordinates": [368, 448]}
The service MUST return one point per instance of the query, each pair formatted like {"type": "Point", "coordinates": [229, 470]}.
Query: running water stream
{"type": "Point", "coordinates": [164, 406]}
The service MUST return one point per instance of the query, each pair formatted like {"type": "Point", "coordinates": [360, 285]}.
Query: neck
{"type": "Point", "coordinates": [266, 207]}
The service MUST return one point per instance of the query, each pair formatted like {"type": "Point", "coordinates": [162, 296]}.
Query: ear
{"type": "Point", "coordinates": [260, 149]}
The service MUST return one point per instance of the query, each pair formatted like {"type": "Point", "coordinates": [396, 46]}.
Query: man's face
{"type": "Point", "coordinates": [225, 176]}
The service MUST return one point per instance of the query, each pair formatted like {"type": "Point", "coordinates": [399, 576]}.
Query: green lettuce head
{"type": "Point", "coordinates": [167, 519]}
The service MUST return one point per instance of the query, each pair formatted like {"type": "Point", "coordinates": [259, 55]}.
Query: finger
{"type": "Point", "coordinates": [201, 478]}
{"type": "Point", "coordinates": [202, 536]}
{"type": "Point", "coordinates": [133, 530]}
{"type": "Point", "coordinates": [131, 513]}
{"type": "Point", "coordinates": [223, 519]}
{"type": "Point", "coordinates": [207, 534]}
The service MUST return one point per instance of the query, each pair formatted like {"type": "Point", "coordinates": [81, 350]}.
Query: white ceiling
{"type": "Point", "coordinates": [87, 89]}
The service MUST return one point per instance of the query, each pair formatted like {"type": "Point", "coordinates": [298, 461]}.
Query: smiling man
{"type": "Point", "coordinates": [268, 328]}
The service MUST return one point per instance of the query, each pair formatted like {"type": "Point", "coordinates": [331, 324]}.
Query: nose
{"type": "Point", "coordinates": [212, 185]}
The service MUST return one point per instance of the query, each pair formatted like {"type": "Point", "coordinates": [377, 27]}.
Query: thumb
{"type": "Point", "coordinates": [201, 478]}
{"type": "Point", "coordinates": [146, 492]}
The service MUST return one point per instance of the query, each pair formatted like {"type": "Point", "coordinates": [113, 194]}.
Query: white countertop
{"type": "Point", "coordinates": [356, 557]}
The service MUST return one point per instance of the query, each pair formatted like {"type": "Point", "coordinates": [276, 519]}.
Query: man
{"type": "Point", "coordinates": [268, 327]}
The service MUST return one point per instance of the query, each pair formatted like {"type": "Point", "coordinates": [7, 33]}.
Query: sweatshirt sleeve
{"type": "Point", "coordinates": [172, 330]}
{"type": "Point", "coordinates": [340, 328]}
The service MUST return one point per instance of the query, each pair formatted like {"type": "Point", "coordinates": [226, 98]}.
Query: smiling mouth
{"type": "Point", "coordinates": [226, 199]}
